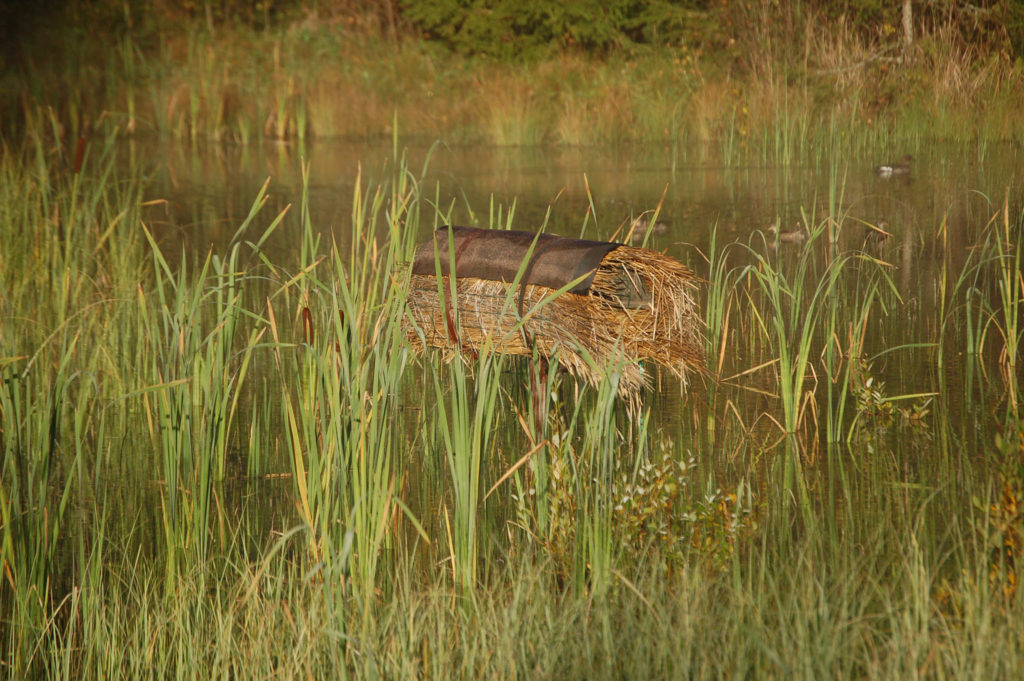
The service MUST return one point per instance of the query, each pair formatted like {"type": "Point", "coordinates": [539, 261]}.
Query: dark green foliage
{"type": "Point", "coordinates": [513, 29]}
{"type": "Point", "coordinates": [522, 29]}
{"type": "Point", "coordinates": [985, 24]}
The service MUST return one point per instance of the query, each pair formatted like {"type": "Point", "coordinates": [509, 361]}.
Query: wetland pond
{"type": "Point", "coordinates": [936, 218]}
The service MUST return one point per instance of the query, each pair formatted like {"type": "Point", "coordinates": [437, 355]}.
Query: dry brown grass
{"type": "Point", "coordinates": [588, 334]}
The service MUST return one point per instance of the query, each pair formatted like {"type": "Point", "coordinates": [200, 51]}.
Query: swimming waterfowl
{"type": "Point", "coordinates": [876, 235]}
{"type": "Point", "coordinates": [796, 236]}
{"type": "Point", "coordinates": [901, 168]}
{"type": "Point", "coordinates": [640, 227]}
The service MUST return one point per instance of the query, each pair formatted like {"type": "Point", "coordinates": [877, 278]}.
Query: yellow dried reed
{"type": "Point", "coordinates": [641, 306]}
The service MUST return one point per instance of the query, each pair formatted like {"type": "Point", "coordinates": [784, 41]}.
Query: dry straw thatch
{"type": "Point", "coordinates": [614, 306]}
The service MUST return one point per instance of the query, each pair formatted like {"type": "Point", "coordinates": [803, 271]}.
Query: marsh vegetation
{"type": "Point", "coordinates": [222, 458]}
{"type": "Point", "coordinates": [235, 464]}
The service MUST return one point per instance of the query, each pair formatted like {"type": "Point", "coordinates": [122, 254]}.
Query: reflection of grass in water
{"type": "Point", "coordinates": [658, 555]}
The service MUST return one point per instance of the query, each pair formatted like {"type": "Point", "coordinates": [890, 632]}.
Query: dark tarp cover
{"type": "Point", "coordinates": [497, 255]}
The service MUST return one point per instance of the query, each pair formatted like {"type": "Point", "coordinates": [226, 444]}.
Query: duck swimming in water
{"type": "Point", "coordinates": [875, 236]}
{"type": "Point", "coordinates": [640, 227]}
{"type": "Point", "coordinates": [901, 168]}
{"type": "Point", "coordinates": [796, 236]}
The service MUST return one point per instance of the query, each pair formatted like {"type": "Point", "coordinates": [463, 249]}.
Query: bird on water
{"type": "Point", "coordinates": [892, 169]}
{"type": "Point", "coordinates": [875, 236]}
{"type": "Point", "coordinates": [643, 225]}
{"type": "Point", "coordinates": [796, 236]}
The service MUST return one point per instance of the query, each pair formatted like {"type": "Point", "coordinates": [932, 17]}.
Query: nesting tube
{"type": "Point", "coordinates": [591, 306]}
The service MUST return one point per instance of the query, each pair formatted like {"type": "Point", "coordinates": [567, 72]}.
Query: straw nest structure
{"type": "Point", "coordinates": [591, 306]}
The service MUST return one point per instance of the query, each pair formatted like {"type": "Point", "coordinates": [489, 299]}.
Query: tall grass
{"type": "Point", "coordinates": [971, 304]}
{"type": "Point", "coordinates": [1009, 243]}
{"type": "Point", "coordinates": [467, 425]}
{"type": "Point", "coordinates": [233, 465]}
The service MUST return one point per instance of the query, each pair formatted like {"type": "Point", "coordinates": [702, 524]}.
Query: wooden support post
{"type": "Point", "coordinates": [539, 395]}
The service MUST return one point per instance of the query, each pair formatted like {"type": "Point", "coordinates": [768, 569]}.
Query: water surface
{"type": "Point", "coordinates": [936, 214]}
{"type": "Point", "coordinates": [211, 188]}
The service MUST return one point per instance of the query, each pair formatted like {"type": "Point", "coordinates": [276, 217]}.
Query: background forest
{"type": "Point", "coordinates": [519, 72]}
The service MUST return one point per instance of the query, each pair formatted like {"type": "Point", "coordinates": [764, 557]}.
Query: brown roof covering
{"type": "Point", "coordinates": [498, 255]}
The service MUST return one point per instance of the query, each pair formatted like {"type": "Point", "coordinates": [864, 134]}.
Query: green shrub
{"type": "Point", "coordinates": [515, 29]}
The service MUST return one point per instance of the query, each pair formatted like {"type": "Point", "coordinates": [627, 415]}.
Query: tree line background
{"type": "Point", "coordinates": [513, 30]}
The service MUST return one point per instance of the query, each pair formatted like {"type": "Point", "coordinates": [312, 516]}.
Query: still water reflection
{"type": "Point", "coordinates": [935, 214]}
{"type": "Point", "coordinates": [210, 189]}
